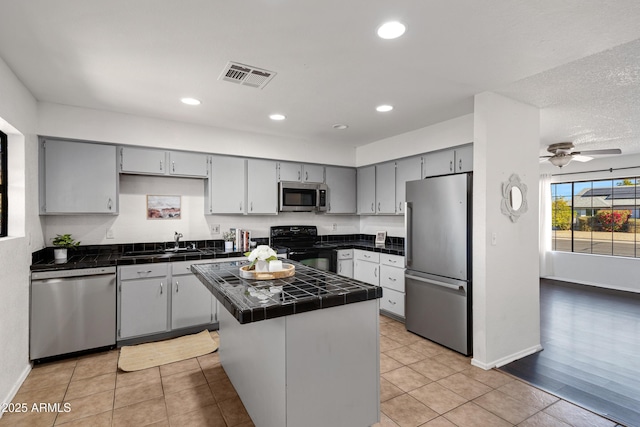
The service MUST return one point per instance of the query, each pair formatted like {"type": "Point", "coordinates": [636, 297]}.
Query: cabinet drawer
{"type": "Point", "coordinates": [392, 301]}
{"type": "Point", "coordinates": [345, 254]}
{"type": "Point", "coordinates": [392, 260]}
{"type": "Point", "coordinates": [143, 271]}
{"type": "Point", "coordinates": [184, 267]}
{"type": "Point", "coordinates": [391, 277]}
{"type": "Point", "coordinates": [366, 255]}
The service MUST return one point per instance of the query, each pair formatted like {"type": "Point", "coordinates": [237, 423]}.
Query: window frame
{"type": "Point", "coordinates": [575, 206]}
{"type": "Point", "coordinates": [4, 185]}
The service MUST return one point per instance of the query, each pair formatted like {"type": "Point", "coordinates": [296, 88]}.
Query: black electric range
{"type": "Point", "coordinates": [302, 243]}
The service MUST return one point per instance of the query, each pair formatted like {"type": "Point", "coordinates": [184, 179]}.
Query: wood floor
{"type": "Point", "coordinates": [591, 356]}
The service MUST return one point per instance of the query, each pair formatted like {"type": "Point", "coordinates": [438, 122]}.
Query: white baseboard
{"type": "Point", "coordinates": [507, 359]}
{"type": "Point", "coordinates": [594, 284]}
{"type": "Point", "coordinates": [14, 390]}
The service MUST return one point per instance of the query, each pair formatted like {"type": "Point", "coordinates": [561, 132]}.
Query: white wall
{"type": "Point", "coordinates": [597, 270]}
{"type": "Point", "coordinates": [131, 224]}
{"type": "Point", "coordinates": [17, 120]}
{"type": "Point", "coordinates": [506, 306]}
{"type": "Point", "coordinates": [446, 134]}
{"type": "Point", "coordinates": [104, 126]}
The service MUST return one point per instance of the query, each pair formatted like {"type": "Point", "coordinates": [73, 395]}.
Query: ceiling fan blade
{"type": "Point", "coordinates": [580, 158]}
{"type": "Point", "coordinates": [597, 152]}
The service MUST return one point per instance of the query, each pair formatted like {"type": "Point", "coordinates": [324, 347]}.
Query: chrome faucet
{"type": "Point", "coordinates": [177, 237]}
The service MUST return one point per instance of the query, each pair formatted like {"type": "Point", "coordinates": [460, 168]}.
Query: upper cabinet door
{"type": "Point", "coordinates": [226, 186]}
{"type": "Point", "coordinates": [143, 161]}
{"type": "Point", "coordinates": [187, 164]}
{"type": "Point", "coordinates": [289, 171]}
{"type": "Point", "coordinates": [313, 173]}
{"type": "Point", "coordinates": [406, 170]}
{"type": "Point", "coordinates": [366, 190]}
{"type": "Point", "coordinates": [78, 177]}
{"type": "Point", "coordinates": [262, 187]}
{"type": "Point", "coordinates": [464, 158]}
{"type": "Point", "coordinates": [341, 184]}
{"type": "Point", "coordinates": [386, 188]}
{"type": "Point", "coordinates": [438, 163]}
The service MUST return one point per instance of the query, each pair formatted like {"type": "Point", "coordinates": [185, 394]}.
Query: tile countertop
{"type": "Point", "coordinates": [114, 255]}
{"type": "Point", "coordinates": [254, 300]}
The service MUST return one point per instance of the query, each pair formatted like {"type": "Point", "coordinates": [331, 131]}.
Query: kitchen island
{"type": "Point", "coordinates": [300, 351]}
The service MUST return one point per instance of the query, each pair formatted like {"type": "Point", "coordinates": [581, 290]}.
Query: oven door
{"type": "Point", "coordinates": [322, 259]}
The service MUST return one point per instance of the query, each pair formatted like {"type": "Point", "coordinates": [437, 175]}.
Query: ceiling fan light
{"type": "Point", "coordinates": [560, 161]}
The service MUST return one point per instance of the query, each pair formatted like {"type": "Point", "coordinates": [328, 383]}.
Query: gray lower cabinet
{"type": "Point", "coordinates": [78, 178]}
{"type": "Point", "coordinates": [160, 297]}
{"type": "Point", "coordinates": [191, 302]}
{"type": "Point", "coordinates": [345, 263]}
{"type": "Point", "coordinates": [341, 184]}
{"type": "Point", "coordinates": [143, 300]}
{"type": "Point", "coordinates": [366, 266]}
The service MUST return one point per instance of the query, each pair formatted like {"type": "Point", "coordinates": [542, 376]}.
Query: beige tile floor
{"type": "Point", "coordinates": [421, 384]}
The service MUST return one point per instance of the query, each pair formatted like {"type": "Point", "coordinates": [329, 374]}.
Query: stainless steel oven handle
{"type": "Point", "coordinates": [435, 282]}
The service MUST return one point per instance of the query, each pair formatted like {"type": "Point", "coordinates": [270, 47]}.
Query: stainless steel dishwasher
{"type": "Point", "coordinates": [72, 310]}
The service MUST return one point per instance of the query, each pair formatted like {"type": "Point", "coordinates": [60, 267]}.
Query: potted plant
{"type": "Point", "coordinates": [228, 237]}
{"type": "Point", "coordinates": [63, 242]}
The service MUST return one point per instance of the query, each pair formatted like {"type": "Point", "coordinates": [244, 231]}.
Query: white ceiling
{"type": "Point", "coordinates": [576, 59]}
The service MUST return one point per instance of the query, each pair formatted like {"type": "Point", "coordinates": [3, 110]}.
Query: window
{"type": "Point", "coordinates": [4, 205]}
{"type": "Point", "coordinates": [597, 217]}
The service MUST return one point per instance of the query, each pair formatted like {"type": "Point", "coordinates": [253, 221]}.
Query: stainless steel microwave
{"type": "Point", "coordinates": [302, 197]}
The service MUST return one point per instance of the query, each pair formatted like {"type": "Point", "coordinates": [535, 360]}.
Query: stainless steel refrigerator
{"type": "Point", "coordinates": [438, 260]}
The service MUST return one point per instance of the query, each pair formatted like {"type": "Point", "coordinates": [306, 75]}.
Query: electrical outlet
{"type": "Point", "coordinates": [110, 233]}
{"type": "Point", "coordinates": [334, 227]}
{"type": "Point", "coordinates": [215, 229]}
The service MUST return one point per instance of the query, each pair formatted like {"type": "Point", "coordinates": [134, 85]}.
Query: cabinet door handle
{"type": "Point", "coordinates": [161, 288]}
{"type": "Point", "coordinates": [460, 165]}
{"type": "Point", "coordinates": [340, 268]}
{"type": "Point", "coordinates": [392, 302]}
{"type": "Point", "coordinates": [392, 279]}
{"type": "Point", "coordinates": [306, 176]}
{"type": "Point", "coordinates": [378, 206]}
{"type": "Point", "coordinates": [240, 206]}
{"type": "Point", "coordinates": [375, 272]}
{"type": "Point", "coordinates": [372, 208]}
{"type": "Point", "coordinates": [299, 177]}
{"type": "Point", "coordinates": [399, 206]}
{"type": "Point", "coordinates": [144, 272]}
{"type": "Point", "coordinates": [251, 206]}
{"type": "Point", "coordinates": [173, 166]}
{"type": "Point", "coordinates": [177, 286]}
{"type": "Point", "coordinates": [366, 256]}
{"type": "Point", "coordinates": [160, 165]}
{"type": "Point", "coordinates": [451, 166]}
{"type": "Point", "coordinates": [109, 203]}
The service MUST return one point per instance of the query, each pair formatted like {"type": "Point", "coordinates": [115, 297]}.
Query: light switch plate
{"type": "Point", "coordinates": [110, 233]}
{"type": "Point", "coordinates": [215, 229]}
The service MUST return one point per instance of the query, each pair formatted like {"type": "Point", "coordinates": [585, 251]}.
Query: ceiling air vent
{"type": "Point", "coordinates": [246, 75]}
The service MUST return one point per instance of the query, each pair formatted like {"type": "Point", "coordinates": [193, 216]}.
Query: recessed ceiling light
{"type": "Point", "coordinates": [391, 30]}
{"type": "Point", "coordinates": [384, 108]}
{"type": "Point", "coordinates": [277, 117]}
{"type": "Point", "coordinates": [340, 126]}
{"type": "Point", "coordinates": [190, 101]}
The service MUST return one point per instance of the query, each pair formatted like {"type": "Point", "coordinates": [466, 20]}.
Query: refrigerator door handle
{"type": "Point", "coordinates": [435, 282]}
{"type": "Point", "coordinates": [408, 218]}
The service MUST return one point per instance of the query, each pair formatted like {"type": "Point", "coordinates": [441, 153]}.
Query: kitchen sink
{"type": "Point", "coordinates": [160, 252]}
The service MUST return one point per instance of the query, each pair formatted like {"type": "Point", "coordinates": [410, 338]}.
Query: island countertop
{"type": "Point", "coordinates": [254, 300]}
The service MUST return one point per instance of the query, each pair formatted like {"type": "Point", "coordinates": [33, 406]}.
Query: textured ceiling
{"type": "Point", "coordinates": [140, 57]}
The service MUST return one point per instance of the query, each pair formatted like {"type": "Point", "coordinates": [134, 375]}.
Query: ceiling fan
{"type": "Point", "coordinates": [563, 154]}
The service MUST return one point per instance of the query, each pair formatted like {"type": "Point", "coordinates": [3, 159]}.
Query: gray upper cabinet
{"type": "Point", "coordinates": [78, 177]}
{"type": "Point", "coordinates": [444, 162]}
{"type": "Point", "coordinates": [262, 187]}
{"type": "Point", "coordinates": [366, 182]}
{"type": "Point", "coordinates": [341, 184]}
{"type": "Point", "coordinates": [386, 188]}
{"type": "Point", "coordinates": [143, 161]}
{"type": "Point", "coordinates": [300, 172]}
{"type": "Point", "coordinates": [225, 189]}
{"type": "Point", "coordinates": [149, 161]}
{"type": "Point", "coordinates": [187, 164]}
{"type": "Point", "coordinates": [408, 169]}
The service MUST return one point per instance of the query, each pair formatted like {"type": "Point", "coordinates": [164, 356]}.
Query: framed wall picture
{"type": "Point", "coordinates": [381, 237]}
{"type": "Point", "coordinates": [163, 207]}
